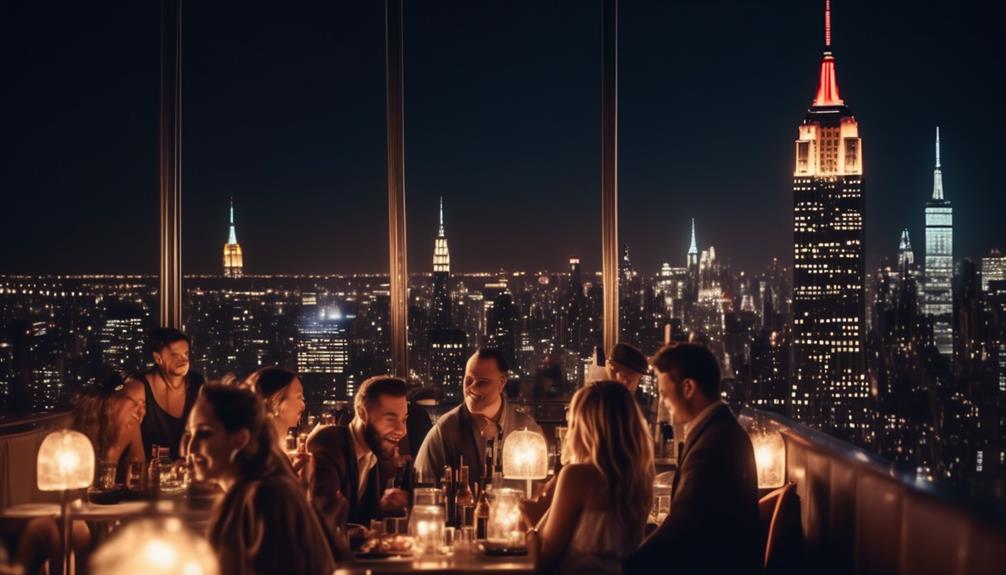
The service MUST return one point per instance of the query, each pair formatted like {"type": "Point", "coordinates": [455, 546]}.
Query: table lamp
{"type": "Point", "coordinates": [525, 456]}
{"type": "Point", "coordinates": [65, 462]}
{"type": "Point", "coordinates": [155, 547]}
{"type": "Point", "coordinates": [770, 453]}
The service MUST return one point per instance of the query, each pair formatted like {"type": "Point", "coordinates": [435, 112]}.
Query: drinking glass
{"type": "Point", "coordinates": [662, 507]}
{"type": "Point", "coordinates": [449, 537]}
{"type": "Point", "coordinates": [466, 539]}
{"type": "Point", "coordinates": [135, 472]}
{"type": "Point", "coordinates": [106, 471]}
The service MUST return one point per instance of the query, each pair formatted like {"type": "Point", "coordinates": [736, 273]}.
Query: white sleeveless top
{"type": "Point", "coordinates": [599, 545]}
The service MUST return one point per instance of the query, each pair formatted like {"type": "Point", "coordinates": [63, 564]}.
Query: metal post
{"type": "Point", "coordinates": [171, 164]}
{"type": "Point", "coordinates": [609, 169]}
{"type": "Point", "coordinates": [398, 268]}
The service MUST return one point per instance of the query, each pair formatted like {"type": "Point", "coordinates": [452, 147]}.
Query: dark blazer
{"type": "Point", "coordinates": [333, 468]}
{"type": "Point", "coordinates": [714, 525]}
{"type": "Point", "coordinates": [265, 525]}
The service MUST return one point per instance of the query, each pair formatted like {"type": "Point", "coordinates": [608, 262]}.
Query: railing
{"type": "Point", "coordinates": [19, 442]}
{"type": "Point", "coordinates": [860, 515]}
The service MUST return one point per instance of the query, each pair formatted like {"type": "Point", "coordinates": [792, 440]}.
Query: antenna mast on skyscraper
{"type": "Point", "coordinates": [827, 24]}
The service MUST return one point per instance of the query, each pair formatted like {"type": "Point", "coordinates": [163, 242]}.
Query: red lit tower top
{"type": "Point", "coordinates": [827, 88]}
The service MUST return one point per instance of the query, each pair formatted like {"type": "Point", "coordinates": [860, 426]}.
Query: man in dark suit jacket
{"type": "Point", "coordinates": [350, 465]}
{"type": "Point", "coordinates": [714, 525]}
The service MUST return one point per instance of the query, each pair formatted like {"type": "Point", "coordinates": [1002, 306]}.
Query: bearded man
{"type": "Point", "coordinates": [350, 465]}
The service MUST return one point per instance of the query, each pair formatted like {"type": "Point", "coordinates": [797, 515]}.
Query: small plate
{"type": "Point", "coordinates": [497, 550]}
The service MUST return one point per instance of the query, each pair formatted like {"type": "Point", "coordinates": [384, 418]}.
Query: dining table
{"type": "Point", "coordinates": [110, 513]}
{"type": "Point", "coordinates": [458, 564]}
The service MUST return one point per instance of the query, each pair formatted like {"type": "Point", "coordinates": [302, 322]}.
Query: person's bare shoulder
{"type": "Point", "coordinates": [582, 479]}
{"type": "Point", "coordinates": [133, 385]}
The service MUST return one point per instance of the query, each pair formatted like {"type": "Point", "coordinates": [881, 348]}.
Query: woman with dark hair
{"type": "Point", "coordinates": [283, 394]}
{"type": "Point", "coordinates": [264, 523]}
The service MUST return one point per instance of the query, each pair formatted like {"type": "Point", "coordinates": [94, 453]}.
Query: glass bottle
{"type": "Point", "coordinates": [447, 485]}
{"type": "Point", "coordinates": [464, 502]}
{"type": "Point", "coordinates": [481, 514]}
{"type": "Point", "coordinates": [154, 472]}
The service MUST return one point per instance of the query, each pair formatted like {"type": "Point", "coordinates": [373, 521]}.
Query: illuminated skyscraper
{"type": "Point", "coordinates": [693, 250]}
{"type": "Point", "coordinates": [448, 353]}
{"type": "Point", "coordinates": [939, 299]}
{"type": "Point", "coordinates": [993, 269]}
{"type": "Point", "coordinates": [447, 345]}
{"type": "Point", "coordinates": [906, 257]}
{"type": "Point", "coordinates": [121, 337]}
{"type": "Point", "coordinates": [233, 260]}
{"type": "Point", "coordinates": [441, 277]}
{"type": "Point", "coordinates": [322, 352]}
{"type": "Point", "coordinates": [830, 389]}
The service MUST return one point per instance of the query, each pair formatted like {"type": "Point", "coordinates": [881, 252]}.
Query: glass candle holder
{"type": "Point", "coordinates": [426, 525]}
{"type": "Point", "coordinates": [428, 496]}
{"type": "Point", "coordinates": [504, 527]}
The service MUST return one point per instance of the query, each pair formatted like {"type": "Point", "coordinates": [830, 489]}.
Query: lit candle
{"type": "Point", "coordinates": [426, 525]}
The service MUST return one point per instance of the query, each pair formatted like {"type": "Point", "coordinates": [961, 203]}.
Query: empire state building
{"type": "Point", "coordinates": [830, 388]}
{"type": "Point", "coordinates": [233, 257]}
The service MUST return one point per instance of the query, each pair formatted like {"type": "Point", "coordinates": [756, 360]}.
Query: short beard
{"type": "Point", "coordinates": [377, 444]}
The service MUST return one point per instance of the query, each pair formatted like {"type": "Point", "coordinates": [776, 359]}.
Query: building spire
{"type": "Point", "coordinates": [937, 172]}
{"type": "Point", "coordinates": [233, 237]}
{"type": "Point", "coordinates": [693, 249]}
{"type": "Point", "coordinates": [440, 230]}
{"type": "Point", "coordinates": [233, 258]}
{"type": "Point", "coordinates": [905, 255]}
{"type": "Point", "coordinates": [827, 25]}
{"type": "Point", "coordinates": [441, 253]}
{"type": "Point", "coordinates": [827, 87]}
{"type": "Point", "coordinates": [937, 146]}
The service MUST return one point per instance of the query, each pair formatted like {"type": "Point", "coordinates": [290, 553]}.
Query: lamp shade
{"type": "Point", "coordinates": [155, 547]}
{"type": "Point", "coordinates": [525, 455]}
{"type": "Point", "coordinates": [769, 450]}
{"type": "Point", "coordinates": [65, 461]}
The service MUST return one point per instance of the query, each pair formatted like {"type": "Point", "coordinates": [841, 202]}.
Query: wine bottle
{"type": "Point", "coordinates": [464, 501]}
{"type": "Point", "coordinates": [481, 514]}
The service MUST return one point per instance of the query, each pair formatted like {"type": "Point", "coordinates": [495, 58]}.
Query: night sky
{"type": "Point", "coordinates": [283, 107]}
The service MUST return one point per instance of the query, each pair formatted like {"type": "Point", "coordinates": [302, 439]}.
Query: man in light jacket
{"type": "Point", "coordinates": [485, 414]}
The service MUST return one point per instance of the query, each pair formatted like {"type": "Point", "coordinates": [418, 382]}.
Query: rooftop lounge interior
{"type": "Point", "coordinates": [827, 507]}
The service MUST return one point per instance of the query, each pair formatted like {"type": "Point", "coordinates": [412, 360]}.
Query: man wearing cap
{"type": "Point", "coordinates": [626, 365]}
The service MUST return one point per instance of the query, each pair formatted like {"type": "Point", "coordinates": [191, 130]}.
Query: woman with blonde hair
{"type": "Point", "coordinates": [603, 494]}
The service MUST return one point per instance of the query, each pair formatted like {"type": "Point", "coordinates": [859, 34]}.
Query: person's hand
{"type": "Point", "coordinates": [393, 501]}
{"type": "Point", "coordinates": [532, 510]}
{"type": "Point", "coordinates": [299, 460]}
{"type": "Point", "coordinates": [548, 490]}
{"type": "Point", "coordinates": [341, 508]}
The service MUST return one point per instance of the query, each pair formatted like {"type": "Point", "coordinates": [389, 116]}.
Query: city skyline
{"type": "Point", "coordinates": [310, 179]}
